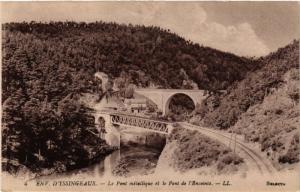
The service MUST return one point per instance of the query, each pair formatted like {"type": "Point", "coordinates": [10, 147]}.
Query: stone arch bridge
{"type": "Point", "coordinates": [162, 97]}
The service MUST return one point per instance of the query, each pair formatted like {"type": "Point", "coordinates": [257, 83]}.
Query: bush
{"type": "Point", "coordinates": [293, 91]}
{"type": "Point", "coordinates": [231, 159]}
{"type": "Point", "coordinates": [294, 74]}
{"type": "Point", "coordinates": [292, 155]}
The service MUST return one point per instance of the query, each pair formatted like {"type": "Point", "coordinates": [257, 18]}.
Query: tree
{"type": "Point", "coordinates": [109, 86]}
{"type": "Point", "coordinates": [129, 91]}
{"type": "Point", "coordinates": [293, 91]}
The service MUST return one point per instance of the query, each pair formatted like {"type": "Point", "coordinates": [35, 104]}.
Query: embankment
{"type": "Point", "coordinates": [190, 151]}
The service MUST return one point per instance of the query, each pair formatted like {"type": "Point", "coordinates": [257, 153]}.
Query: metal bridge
{"type": "Point", "coordinates": [140, 122]}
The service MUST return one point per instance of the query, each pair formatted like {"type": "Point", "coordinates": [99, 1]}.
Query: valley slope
{"type": "Point", "coordinates": [264, 107]}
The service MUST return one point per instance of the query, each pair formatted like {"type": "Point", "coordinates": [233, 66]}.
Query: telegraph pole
{"type": "Point", "coordinates": [230, 140]}
{"type": "Point", "coordinates": [234, 142]}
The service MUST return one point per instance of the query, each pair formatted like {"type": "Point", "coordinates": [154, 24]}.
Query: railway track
{"type": "Point", "coordinates": [252, 158]}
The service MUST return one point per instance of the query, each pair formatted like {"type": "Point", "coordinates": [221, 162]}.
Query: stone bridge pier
{"type": "Point", "coordinates": [112, 135]}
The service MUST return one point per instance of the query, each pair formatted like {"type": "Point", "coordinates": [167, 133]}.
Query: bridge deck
{"type": "Point", "coordinates": [131, 115]}
{"type": "Point", "coordinates": [169, 90]}
{"type": "Point", "coordinates": [140, 122]}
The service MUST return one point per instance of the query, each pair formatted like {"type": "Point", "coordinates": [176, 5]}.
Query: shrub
{"type": "Point", "coordinates": [278, 111]}
{"type": "Point", "coordinates": [292, 155]}
{"type": "Point", "coordinates": [293, 91]}
{"type": "Point", "coordinates": [294, 74]}
{"type": "Point", "coordinates": [231, 159]}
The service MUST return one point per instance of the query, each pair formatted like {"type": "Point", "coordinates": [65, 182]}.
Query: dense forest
{"type": "Point", "coordinates": [47, 66]}
{"type": "Point", "coordinates": [149, 54]}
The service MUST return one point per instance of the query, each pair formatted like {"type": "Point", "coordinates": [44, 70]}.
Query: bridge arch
{"type": "Point", "coordinates": [161, 97]}
{"type": "Point", "coordinates": [170, 97]}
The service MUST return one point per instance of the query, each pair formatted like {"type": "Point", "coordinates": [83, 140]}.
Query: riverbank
{"type": "Point", "coordinates": [94, 155]}
{"type": "Point", "coordinates": [137, 160]}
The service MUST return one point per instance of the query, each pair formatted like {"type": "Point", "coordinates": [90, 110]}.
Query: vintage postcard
{"type": "Point", "coordinates": [150, 96]}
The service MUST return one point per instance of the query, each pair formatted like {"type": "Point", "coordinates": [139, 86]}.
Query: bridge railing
{"type": "Point", "coordinates": [140, 122]}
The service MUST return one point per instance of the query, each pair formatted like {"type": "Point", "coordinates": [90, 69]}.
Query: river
{"type": "Point", "coordinates": [127, 161]}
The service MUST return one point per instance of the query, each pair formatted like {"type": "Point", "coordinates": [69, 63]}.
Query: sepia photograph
{"type": "Point", "coordinates": [150, 96]}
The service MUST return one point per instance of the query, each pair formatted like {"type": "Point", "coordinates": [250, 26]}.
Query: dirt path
{"type": "Point", "coordinates": [255, 161]}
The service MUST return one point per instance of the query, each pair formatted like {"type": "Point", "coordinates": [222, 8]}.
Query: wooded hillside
{"type": "Point", "coordinates": [224, 111]}
{"type": "Point", "coordinates": [149, 54]}
{"type": "Point", "coordinates": [264, 107]}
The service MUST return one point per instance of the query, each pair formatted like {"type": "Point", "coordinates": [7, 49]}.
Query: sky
{"type": "Point", "coordinates": [242, 28]}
